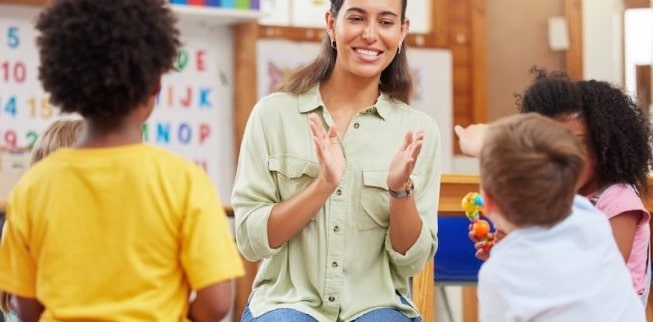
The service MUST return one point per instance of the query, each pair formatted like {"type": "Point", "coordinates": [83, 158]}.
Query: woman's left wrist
{"type": "Point", "coordinates": [405, 191]}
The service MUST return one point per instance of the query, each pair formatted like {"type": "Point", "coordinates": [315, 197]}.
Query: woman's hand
{"type": "Point", "coordinates": [403, 162]}
{"type": "Point", "coordinates": [471, 138]}
{"type": "Point", "coordinates": [329, 152]}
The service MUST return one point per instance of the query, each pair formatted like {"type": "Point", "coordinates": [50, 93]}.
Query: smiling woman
{"type": "Point", "coordinates": [340, 204]}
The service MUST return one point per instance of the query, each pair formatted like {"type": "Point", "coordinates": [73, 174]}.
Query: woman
{"type": "Point", "coordinates": [338, 178]}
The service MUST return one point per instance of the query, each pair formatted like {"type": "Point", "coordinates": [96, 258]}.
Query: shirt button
{"type": "Point", "coordinates": [369, 110]}
{"type": "Point", "coordinates": [331, 298]}
{"type": "Point", "coordinates": [336, 229]}
{"type": "Point", "coordinates": [356, 125]}
{"type": "Point", "coordinates": [338, 192]}
{"type": "Point", "coordinates": [334, 264]}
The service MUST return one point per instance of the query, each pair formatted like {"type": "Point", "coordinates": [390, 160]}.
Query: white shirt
{"type": "Point", "coordinates": [572, 272]}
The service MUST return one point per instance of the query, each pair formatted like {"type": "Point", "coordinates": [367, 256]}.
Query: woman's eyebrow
{"type": "Point", "coordinates": [361, 11]}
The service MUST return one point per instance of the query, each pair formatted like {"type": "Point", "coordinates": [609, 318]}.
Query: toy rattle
{"type": "Point", "coordinates": [472, 204]}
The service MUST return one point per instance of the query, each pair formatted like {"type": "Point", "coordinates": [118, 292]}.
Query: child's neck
{"type": "Point", "coordinates": [99, 135]}
{"type": "Point", "coordinates": [590, 189]}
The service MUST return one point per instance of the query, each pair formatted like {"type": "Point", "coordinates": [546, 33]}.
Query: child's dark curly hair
{"type": "Point", "coordinates": [550, 94]}
{"type": "Point", "coordinates": [102, 58]}
{"type": "Point", "coordinates": [619, 132]}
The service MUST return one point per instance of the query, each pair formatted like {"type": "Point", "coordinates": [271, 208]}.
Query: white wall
{"type": "Point", "coordinates": [602, 40]}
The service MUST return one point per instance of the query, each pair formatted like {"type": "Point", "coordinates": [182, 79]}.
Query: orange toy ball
{"type": "Point", "coordinates": [481, 228]}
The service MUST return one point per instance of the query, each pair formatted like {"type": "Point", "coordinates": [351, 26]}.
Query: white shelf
{"type": "Point", "coordinates": [214, 16]}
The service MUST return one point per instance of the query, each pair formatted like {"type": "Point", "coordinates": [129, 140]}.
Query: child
{"type": "Point", "coordinates": [617, 139]}
{"type": "Point", "coordinates": [114, 229]}
{"type": "Point", "coordinates": [553, 264]}
{"type": "Point", "coordinates": [60, 133]}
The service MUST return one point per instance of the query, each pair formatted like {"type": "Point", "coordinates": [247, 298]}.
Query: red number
{"type": "Point", "coordinates": [17, 71]}
{"type": "Point", "coordinates": [20, 72]}
{"type": "Point", "coordinates": [11, 140]}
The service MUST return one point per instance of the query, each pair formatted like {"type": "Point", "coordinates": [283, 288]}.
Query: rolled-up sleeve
{"type": "Point", "coordinates": [427, 196]}
{"type": "Point", "coordinates": [254, 193]}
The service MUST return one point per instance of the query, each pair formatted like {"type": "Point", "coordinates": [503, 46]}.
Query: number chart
{"type": "Point", "coordinates": [24, 106]}
{"type": "Point", "coordinates": [193, 113]}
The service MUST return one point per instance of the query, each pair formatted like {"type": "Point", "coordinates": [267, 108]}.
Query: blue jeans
{"type": "Point", "coordinates": [290, 315]}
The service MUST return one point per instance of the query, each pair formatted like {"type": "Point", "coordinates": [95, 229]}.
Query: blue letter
{"type": "Point", "coordinates": [163, 132]}
{"type": "Point", "coordinates": [204, 97]}
{"type": "Point", "coordinates": [185, 133]}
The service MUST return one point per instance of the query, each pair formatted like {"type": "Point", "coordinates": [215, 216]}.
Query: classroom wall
{"type": "Point", "coordinates": [511, 54]}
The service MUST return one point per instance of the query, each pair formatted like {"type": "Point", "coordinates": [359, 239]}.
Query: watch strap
{"type": "Point", "coordinates": [403, 193]}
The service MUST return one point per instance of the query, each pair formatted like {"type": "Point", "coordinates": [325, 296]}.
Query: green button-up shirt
{"type": "Point", "coordinates": [342, 264]}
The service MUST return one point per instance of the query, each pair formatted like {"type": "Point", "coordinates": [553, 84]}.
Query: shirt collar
{"type": "Point", "coordinates": [311, 100]}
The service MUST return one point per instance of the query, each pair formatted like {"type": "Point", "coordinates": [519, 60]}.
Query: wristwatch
{"type": "Point", "coordinates": [410, 187]}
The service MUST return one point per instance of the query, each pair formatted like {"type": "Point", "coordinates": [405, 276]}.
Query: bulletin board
{"type": "Point", "coordinates": [193, 115]}
{"type": "Point", "coordinates": [431, 69]}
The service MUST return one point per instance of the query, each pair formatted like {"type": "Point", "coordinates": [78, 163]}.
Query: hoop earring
{"type": "Point", "coordinates": [333, 44]}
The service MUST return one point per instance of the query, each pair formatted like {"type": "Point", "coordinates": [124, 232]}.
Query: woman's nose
{"type": "Point", "coordinates": [369, 33]}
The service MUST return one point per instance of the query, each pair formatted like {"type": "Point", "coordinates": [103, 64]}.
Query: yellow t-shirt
{"type": "Point", "coordinates": [121, 234]}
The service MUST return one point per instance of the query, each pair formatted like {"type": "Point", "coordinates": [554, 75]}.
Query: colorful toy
{"type": "Point", "coordinates": [472, 204]}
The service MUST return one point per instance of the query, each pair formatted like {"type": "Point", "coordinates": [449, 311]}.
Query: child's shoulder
{"type": "Point", "coordinates": [619, 189]}
{"type": "Point", "coordinates": [618, 198]}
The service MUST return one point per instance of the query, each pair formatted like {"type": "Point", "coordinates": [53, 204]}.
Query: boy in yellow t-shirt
{"type": "Point", "coordinates": [114, 229]}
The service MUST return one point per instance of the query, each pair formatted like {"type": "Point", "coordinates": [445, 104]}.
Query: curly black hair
{"type": "Point", "coordinates": [550, 94]}
{"type": "Point", "coordinates": [619, 135]}
{"type": "Point", "coordinates": [103, 58]}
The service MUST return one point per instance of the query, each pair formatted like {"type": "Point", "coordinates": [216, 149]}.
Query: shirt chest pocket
{"type": "Point", "coordinates": [374, 201]}
{"type": "Point", "coordinates": [292, 174]}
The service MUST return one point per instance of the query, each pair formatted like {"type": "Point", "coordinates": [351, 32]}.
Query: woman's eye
{"type": "Point", "coordinates": [355, 19]}
{"type": "Point", "coordinates": [387, 22]}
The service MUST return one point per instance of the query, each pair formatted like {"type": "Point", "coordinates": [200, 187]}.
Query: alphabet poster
{"type": "Point", "coordinates": [193, 115]}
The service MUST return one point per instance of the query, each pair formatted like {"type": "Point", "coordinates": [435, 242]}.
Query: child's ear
{"type": "Point", "coordinates": [489, 205]}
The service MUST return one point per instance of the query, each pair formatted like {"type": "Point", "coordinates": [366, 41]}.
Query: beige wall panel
{"type": "Point", "coordinates": [517, 38]}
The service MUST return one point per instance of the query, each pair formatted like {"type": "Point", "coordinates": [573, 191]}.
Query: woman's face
{"type": "Point", "coordinates": [577, 126]}
{"type": "Point", "coordinates": [367, 34]}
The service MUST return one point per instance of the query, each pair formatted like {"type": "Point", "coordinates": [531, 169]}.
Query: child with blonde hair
{"type": "Point", "coordinates": [60, 133]}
